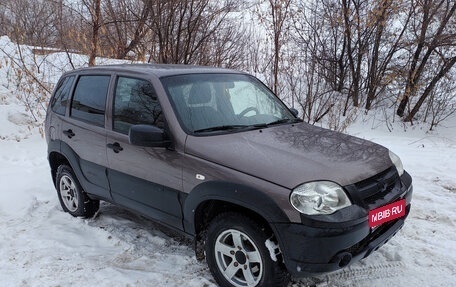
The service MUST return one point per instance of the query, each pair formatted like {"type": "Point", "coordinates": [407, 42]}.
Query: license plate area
{"type": "Point", "coordinates": [386, 213]}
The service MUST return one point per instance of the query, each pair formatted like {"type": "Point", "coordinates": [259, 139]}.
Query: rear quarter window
{"type": "Point", "coordinates": [62, 94]}
{"type": "Point", "coordinates": [89, 99]}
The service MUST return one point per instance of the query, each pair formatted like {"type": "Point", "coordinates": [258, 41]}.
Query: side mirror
{"type": "Point", "coordinates": [147, 136]}
{"type": "Point", "coordinates": [294, 111]}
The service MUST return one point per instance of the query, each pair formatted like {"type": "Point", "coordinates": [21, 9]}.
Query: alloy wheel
{"type": "Point", "coordinates": [238, 258]}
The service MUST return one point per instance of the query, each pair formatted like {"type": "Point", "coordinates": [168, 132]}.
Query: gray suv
{"type": "Point", "coordinates": [214, 154]}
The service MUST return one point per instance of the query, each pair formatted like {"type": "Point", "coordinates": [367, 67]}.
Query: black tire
{"type": "Point", "coordinates": [243, 253]}
{"type": "Point", "coordinates": [71, 195]}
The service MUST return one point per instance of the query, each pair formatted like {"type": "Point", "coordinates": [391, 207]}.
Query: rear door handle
{"type": "Point", "coordinates": [115, 147]}
{"type": "Point", "coordinates": [69, 133]}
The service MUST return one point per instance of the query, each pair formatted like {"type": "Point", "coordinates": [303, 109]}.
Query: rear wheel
{"type": "Point", "coordinates": [237, 255]}
{"type": "Point", "coordinates": [71, 196]}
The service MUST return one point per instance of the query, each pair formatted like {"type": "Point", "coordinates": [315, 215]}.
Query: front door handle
{"type": "Point", "coordinates": [115, 147]}
{"type": "Point", "coordinates": [69, 133]}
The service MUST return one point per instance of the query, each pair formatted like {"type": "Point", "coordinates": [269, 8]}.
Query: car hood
{"type": "Point", "coordinates": [289, 155]}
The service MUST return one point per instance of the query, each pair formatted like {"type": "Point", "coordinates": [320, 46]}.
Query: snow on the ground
{"type": "Point", "coordinates": [40, 245]}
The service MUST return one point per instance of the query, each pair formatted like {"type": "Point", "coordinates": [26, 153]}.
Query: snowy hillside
{"type": "Point", "coordinates": [40, 245]}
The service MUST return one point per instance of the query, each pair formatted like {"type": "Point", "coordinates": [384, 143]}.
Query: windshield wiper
{"type": "Point", "coordinates": [254, 126]}
{"type": "Point", "coordinates": [283, 121]}
{"type": "Point", "coordinates": [222, 128]}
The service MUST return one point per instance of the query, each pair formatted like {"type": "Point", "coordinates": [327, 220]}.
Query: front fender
{"type": "Point", "coordinates": [234, 193]}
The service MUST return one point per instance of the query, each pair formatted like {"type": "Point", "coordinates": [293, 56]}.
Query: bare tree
{"type": "Point", "coordinates": [311, 75]}
{"type": "Point", "coordinates": [430, 42]}
{"type": "Point", "coordinates": [5, 21]}
{"type": "Point", "coordinates": [387, 41]}
{"type": "Point", "coordinates": [125, 23]}
{"type": "Point", "coordinates": [279, 11]}
{"type": "Point", "coordinates": [30, 22]}
{"type": "Point", "coordinates": [441, 103]}
{"type": "Point", "coordinates": [182, 31]}
{"type": "Point", "coordinates": [94, 8]}
{"type": "Point", "coordinates": [328, 57]}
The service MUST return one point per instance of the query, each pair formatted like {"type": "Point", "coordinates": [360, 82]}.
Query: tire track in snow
{"type": "Point", "coordinates": [150, 247]}
{"type": "Point", "coordinates": [352, 275]}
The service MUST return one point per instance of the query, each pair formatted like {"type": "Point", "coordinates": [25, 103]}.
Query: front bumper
{"type": "Point", "coordinates": [314, 248]}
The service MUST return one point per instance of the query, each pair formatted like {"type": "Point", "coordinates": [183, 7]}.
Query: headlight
{"type": "Point", "coordinates": [397, 162]}
{"type": "Point", "coordinates": [319, 197]}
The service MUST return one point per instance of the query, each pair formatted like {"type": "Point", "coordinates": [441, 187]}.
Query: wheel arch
{"type": "Point", "coordinates": [61, 153]}
{"type": "Point", "coordinates": [55, 160]}
{"type": "Point", "coordinates": [209, 199]}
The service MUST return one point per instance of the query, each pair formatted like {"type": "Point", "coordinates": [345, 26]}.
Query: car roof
{"type": "Point", "coordinates": [159, 70]}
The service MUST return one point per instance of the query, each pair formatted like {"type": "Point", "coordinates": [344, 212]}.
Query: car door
{"type": "Point", "coordinates": [148, 180]}
{"type": "Point", "coordinates": [84, 135]}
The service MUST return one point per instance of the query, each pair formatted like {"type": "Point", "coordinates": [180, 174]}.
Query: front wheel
{"type": "Point", "coordinates": [237, 255]}
{"type": "Point", "coordinates": [71, 196]}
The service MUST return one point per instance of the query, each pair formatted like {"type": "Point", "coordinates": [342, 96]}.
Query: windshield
{"type": "Point", "coordinates": [223, 102]}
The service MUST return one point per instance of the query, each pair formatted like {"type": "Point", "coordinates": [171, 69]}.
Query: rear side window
{"type": "Point", "coordinates": [61, 95]}
{"type": "Point", "coordinates": [135, 102]}
{"type": "Point", "coordinates": [89, 99]}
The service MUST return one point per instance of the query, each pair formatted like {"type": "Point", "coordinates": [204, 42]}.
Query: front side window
{"type": "Point", "coordinates": [223, 102]}
{"type": "Point", "coordinates": [61, 95]}
{"type": "Point", "coordinates": [135, 102]}
{"type": "Point", "coordinates": [89, 99]}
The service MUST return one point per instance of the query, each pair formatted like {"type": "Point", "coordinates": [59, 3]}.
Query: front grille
{"type": "Point", "coordinates": [378, 186]}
